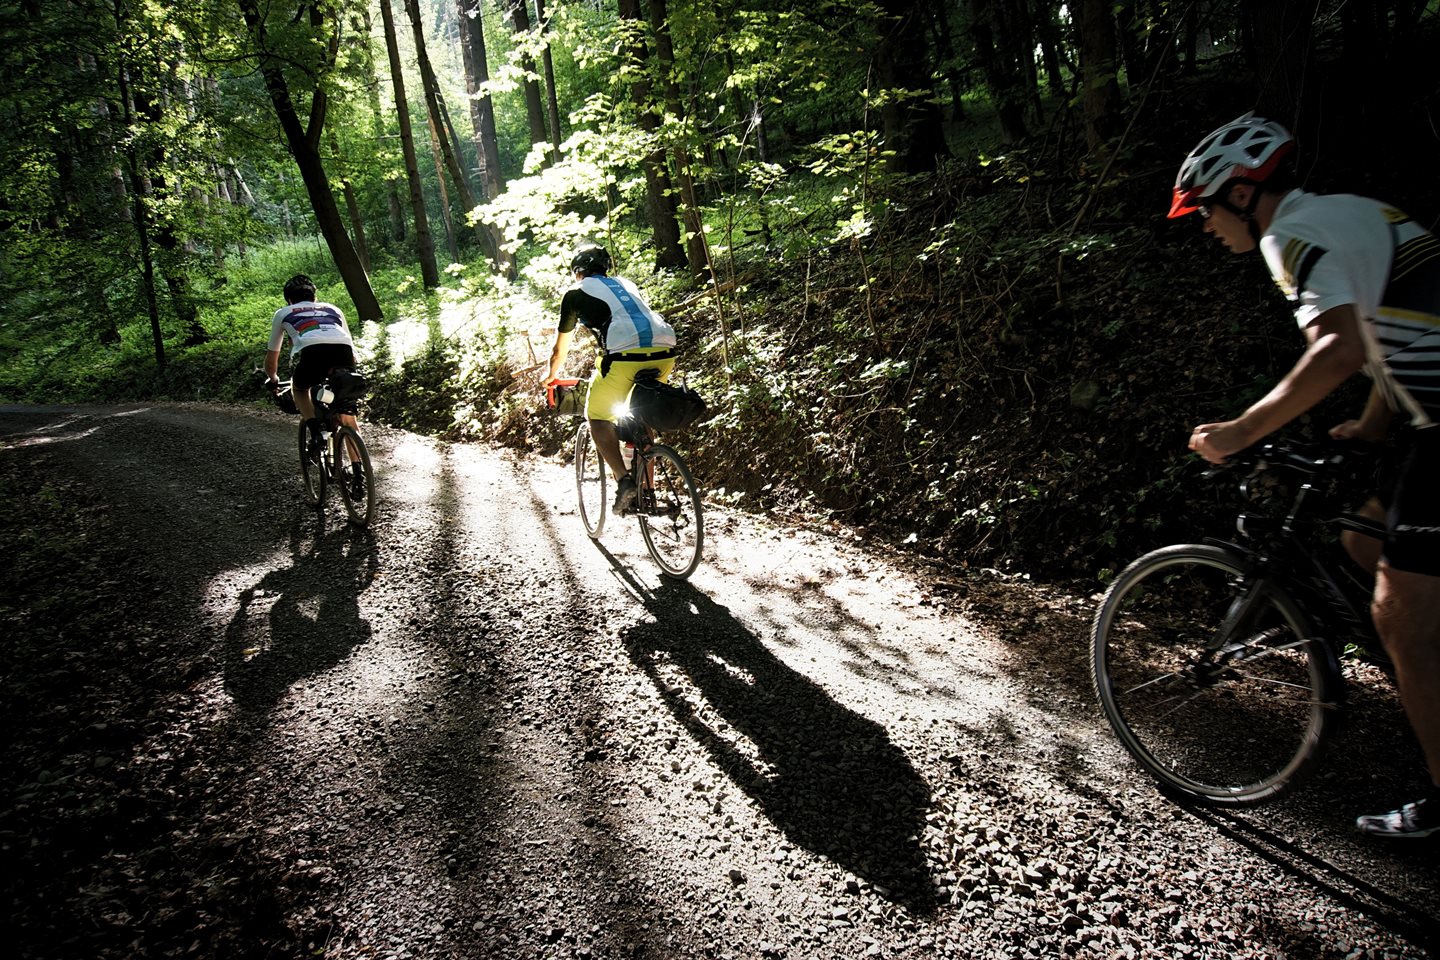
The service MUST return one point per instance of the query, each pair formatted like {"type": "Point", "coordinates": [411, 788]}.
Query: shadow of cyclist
{"type": "Point", "coordinates": [826, 776]}
{"type": "Point", "coordinates": [301, 619]}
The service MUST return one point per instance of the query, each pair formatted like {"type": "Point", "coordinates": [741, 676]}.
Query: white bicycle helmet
{"type": "Point", "coordinates": [1247, 149]}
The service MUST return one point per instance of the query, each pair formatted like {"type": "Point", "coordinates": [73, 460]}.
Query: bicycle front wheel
{"type": "Point", "coordinates": [312, 465]}
{"type": "Point", "coordinates": [671, 520]}
{"type": "Point", "coordinates": [1212, 677]}
{"type": "Point", "coordinates": [590, 482]}
{"type": "Point", "coordinates": [356, 489]}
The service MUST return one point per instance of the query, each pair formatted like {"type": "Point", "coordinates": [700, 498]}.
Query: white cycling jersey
{"type": "Point", "coordinates": [1329, 251]}
{"type": "Point", "coordinates": [308, 323]}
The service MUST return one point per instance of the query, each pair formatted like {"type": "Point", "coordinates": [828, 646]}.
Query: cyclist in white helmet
{"type": "Point", "coordinates": [1364, 280]}
{"type": "Point", "coordinates": [631, 337]}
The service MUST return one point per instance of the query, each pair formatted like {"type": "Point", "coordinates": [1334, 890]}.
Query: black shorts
{"type": "Point", "coordinates": [1413, 507]}
{"type": "Point", "coordinates": [315, 363]}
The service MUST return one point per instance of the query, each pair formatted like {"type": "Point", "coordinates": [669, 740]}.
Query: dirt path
{"type": "Point", "coordinates": [474, 733]}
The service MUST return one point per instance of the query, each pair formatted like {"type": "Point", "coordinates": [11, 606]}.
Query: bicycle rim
{"type": "Point", "coordinates": [312, 470]}
{"type": "Point", "coordinates": [671, 520]}
{"type": "Point", "coordinates": [590, 482]}
{"type": "Point", "coordinates": [1214, 681]}
{"type": "Point", "coordinates": [359, 503]}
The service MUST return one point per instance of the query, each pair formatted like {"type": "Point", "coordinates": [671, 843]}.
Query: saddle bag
{"type": "Point", "coordinates": [663, 407]}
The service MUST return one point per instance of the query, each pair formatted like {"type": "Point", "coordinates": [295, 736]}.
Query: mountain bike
{"type": "Point", "coordinates": [327, 448]}
{"type": "Point", "coordinates": [1217, 664]}
{"type": "Point", "coordinates": [667, 504]}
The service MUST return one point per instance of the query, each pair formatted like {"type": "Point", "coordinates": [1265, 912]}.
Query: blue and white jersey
{"type": "Point", "coordinates": [308, 323]}
{"type": "Point", "coordinates": [615, 310]}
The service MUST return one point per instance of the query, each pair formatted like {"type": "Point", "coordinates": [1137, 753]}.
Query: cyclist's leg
{"type": "Point", "coordinates": [1365, 551]}
{"type": "Point", "coordinates": [1407, 592]}
{"type": "Point", "coordinates": [606, 395]}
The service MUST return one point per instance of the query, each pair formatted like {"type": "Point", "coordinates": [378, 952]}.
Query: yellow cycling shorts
{"type": "Point", "coordinates": [610, 392]}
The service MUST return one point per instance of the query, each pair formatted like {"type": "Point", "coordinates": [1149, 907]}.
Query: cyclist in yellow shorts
{"type": "Point", "coordinates": [632, 337]}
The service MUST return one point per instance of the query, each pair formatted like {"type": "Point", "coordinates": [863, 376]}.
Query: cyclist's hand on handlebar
{"type": "Point", "coordinates": [1217, 441]}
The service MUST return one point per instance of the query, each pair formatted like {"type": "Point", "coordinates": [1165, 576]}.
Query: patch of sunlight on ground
{"type": "Point", "coordinates": [415, 483]}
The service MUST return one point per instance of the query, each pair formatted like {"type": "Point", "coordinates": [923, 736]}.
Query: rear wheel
{"type": "Point", "coordinates": [312, 468]}
{"type": "Point", "coordinates": [590, 482]}
{"type": "Point", "coordinates": [1211, 676]}
{"type": "Point", "coordinates": [356, 489]}
{"type": "Point", "coordinates": [671, 520]}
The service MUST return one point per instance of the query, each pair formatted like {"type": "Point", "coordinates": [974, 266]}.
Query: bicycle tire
{"type": "Point", "coordinates": [313, 475]}
{"type": "Point", "coordinates": [591, 483]}
{"type": "Point", "coordinates": [672, 520]}
{"type": "Point", "coordinates": [359, 505]}
{"type": "Point", "coordinates": [1213, 679]}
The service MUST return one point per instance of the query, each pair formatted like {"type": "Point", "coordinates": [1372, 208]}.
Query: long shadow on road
{"type": "Point", "coordinates": [826, 776]}
{"type": "Point", "coordinates": [301, 619]}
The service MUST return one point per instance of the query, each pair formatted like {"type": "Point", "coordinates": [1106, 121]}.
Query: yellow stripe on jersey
{"type": "Point", "coordinates": [1413, 253]}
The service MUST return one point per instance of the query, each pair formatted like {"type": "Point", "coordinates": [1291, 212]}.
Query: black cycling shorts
{"type": "Point", "coordinates": [1413, 515]}
{"type": "Point", "coordinates": [315, 363]}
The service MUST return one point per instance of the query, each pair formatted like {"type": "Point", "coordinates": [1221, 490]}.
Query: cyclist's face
{"type": "Point", "coordinates": [1226, 224]}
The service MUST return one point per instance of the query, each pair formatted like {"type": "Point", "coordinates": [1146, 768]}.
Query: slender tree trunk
{"type": "Point", "coordinates": [534, 108]}
{"type": "Point", "coordinates": [302, 145]}
{"type": "Point", "coordinates": [1097, 70]}
{"type": "Point", "coordinates": [446, 219]}
{"type": "Point", "coordinates": [482, 122]}
{"type": "Point", "coordinates": [432, 105]}
{"type": "Point", "coordinates": [372, 89]}
{"type": "Point", "coordinates": [695, 246]}
{"type": "Point", "coordinates": [551, 100]}
{"type": "Point", "coordinates": [945, 49]}
{"type": "Point", "coordinates": [138, 214]}
{"type": "Point", "coordinates": [352, 208]}
{"type": "Point", "coordinates": [669, 254]}
{"type": "Point", "coordinates": [424, 244]}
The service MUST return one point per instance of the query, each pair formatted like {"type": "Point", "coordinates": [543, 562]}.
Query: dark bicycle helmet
{"type": "Point", "coordinates": [589, 259]}
{"type": "Point", "coordinates": [299, 287]}
{"type": "Point", "coordinates": [1248, 149]}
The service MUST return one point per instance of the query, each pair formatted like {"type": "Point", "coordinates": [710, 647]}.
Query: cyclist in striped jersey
{"type": "Point", "coordinates": [1364, 280]}
{"type": "Point", "coordinates": [631, 336]}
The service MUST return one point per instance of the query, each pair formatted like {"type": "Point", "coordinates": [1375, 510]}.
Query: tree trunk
{"type": "Point", "coordinates": [660, 200]}
{"type": "Point", "coordinates": [432, 105]}
{"type": "Point", "coordinates": [446, 219]}
{"type": "Point", "coordinates": [912, 124]}
{"type": "Point", "coordinates": [138, 214]}
{"type": "Point", "coordinates": [482, 122]}
{"type": "Point", "coordinates": [424, 244]}
{"type": "Point", "coordinates": [352, 208]}
{"type": "Point", "coordinates": [1097, 66]}
{"type": "Point", "coordinates": [1281, 49]}
{"type": "Point", "coordinates": [520, 22]}
{"type": "Point", "coordinates": [695, 246]}
{"type": "Point", "coordinates": [550, 97]}
{"type": "Point", "coordinates": [302, 145]}
{"type": "Point", "coordinates": [1001, 76]}
{"type": "Point", "coordinates": [372, 87]}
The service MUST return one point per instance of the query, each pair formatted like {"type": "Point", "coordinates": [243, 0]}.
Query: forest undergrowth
{"type": "Point", "coordinates": [985, 379]}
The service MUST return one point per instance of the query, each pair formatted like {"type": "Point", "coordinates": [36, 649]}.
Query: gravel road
{"type": "Point", "coordinates": [472, 732]}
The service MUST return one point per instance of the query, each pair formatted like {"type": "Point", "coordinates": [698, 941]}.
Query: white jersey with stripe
{"type": "Point", "coordinates": [633, 325]}
{"type": "Point", "coordinates": [1329, 251]}
{"type": "Point", "coordinates": [308, 323]}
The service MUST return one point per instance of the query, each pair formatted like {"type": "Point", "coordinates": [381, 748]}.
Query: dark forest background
{"type": "Point", "coordinates": [917, 252]}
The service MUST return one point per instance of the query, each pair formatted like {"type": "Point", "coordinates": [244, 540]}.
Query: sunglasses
{"type": "Point", "coordinates": [1204, 211]}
